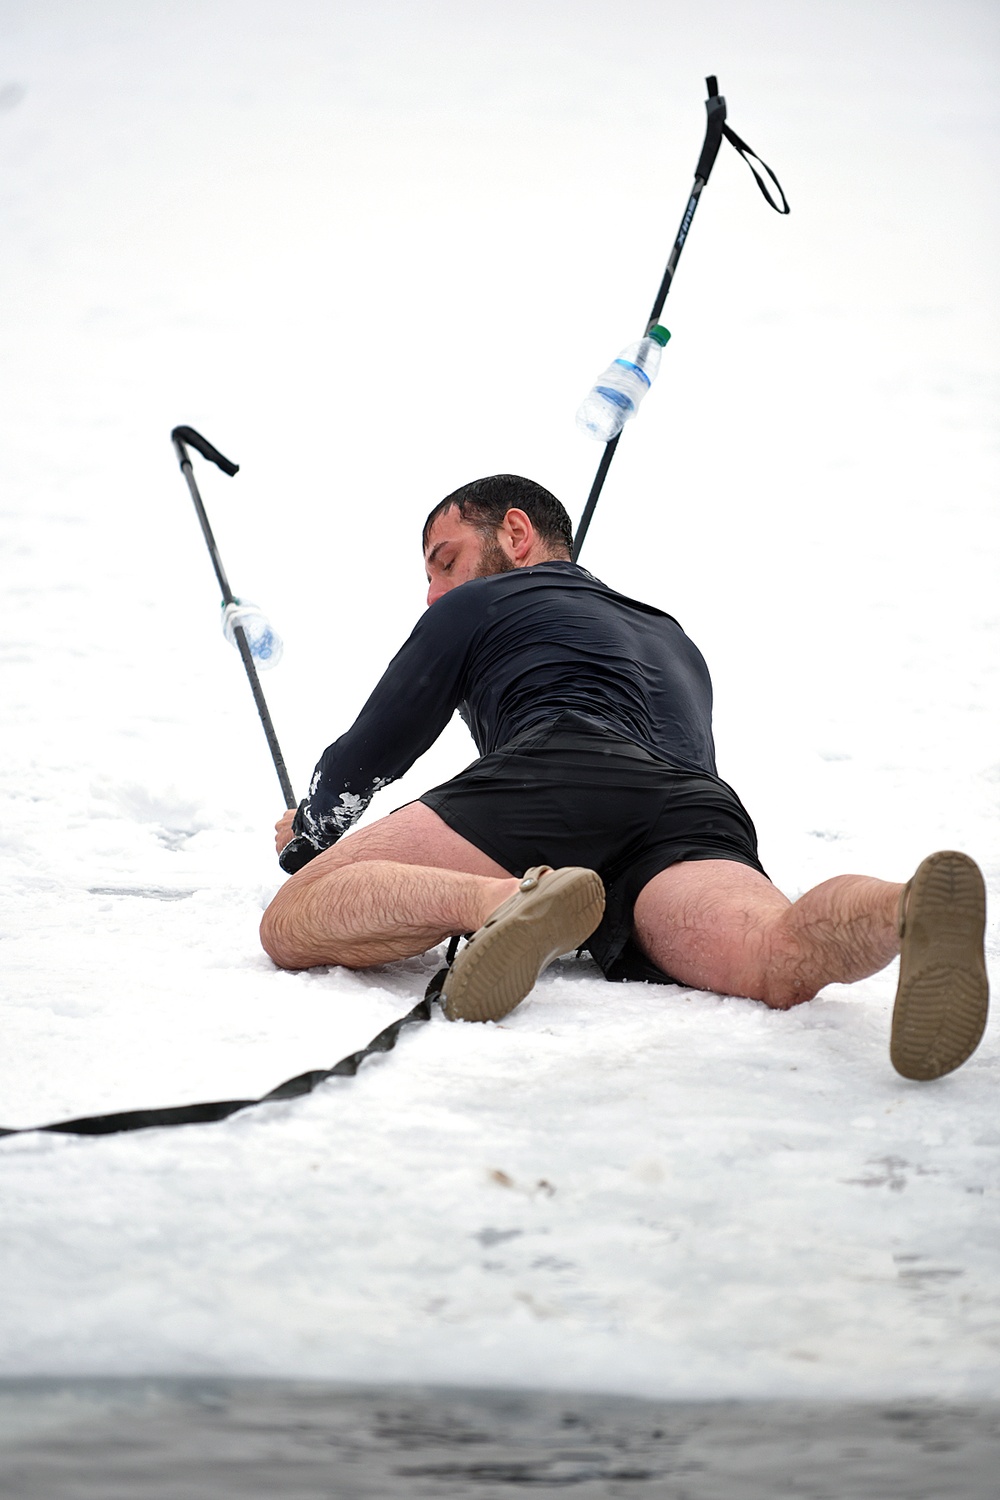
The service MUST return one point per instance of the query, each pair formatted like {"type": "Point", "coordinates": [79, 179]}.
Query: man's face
{"type": "Point", "coordinates": [456, 551]}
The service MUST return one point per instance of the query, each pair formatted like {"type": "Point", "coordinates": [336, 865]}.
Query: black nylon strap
{"type": "Point", "coordinates": [747, 152]}
{"type": "Point", "coordinates": [220, 1109]}
{"type": "Point", "coordinates": [433, 990]}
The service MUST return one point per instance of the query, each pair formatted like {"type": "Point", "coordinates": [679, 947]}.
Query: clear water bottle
{"type": "Point", "coordinates": [616, 395]}
{"type": "Point", "coordinates": [263, 640]}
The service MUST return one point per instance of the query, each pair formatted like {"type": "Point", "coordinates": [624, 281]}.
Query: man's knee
{"type": "Point", "coordinates": [286, 928]}
{"type": "Point", "coordinates": [277, 935]}
{"type": "Point", "coordinates": [781, 992]}
{"type": "Point", "coordinates": [786, 975]}
{"type": "Point", "coordinates": [294, 931]}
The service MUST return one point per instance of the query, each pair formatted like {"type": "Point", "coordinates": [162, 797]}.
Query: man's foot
{"type": "Point", "coordinates": [943, 993]}
{"type": "Point", "coordinates": [552, 912]}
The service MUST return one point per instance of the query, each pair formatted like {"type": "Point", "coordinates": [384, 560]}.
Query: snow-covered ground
{"type": "Point", "coordinates": [372, 252]}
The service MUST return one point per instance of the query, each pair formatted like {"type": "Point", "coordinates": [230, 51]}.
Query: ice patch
{"type": "Point", "coordinates": [150, 893]}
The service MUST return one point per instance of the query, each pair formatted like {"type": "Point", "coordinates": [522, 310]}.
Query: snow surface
{"type": "Point", "coordinates": [372, 252]}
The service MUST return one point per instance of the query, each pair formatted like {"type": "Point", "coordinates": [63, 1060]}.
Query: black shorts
{"type": "Point", "coordinates": [569, 793]}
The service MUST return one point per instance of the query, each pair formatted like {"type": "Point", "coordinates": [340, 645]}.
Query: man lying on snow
{"type": "Point", "coordinates": [594, 815]}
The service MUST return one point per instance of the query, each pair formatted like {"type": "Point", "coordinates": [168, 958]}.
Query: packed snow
{"type": "Point", "coordinates": [373, 252]}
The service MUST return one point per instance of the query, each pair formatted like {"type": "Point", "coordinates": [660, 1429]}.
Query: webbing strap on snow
{"type": "Point", "coordinates": [715, 129]}
{"type": "Point", "coordinates": [433, 990]}
{"type": "Point", "coordinates": [220, 1109]}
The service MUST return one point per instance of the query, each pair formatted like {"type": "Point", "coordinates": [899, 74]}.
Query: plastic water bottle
{"type": "Point", "coordinates": [616, 395]}
{"type": "Point", "coordinates": [263, 640]}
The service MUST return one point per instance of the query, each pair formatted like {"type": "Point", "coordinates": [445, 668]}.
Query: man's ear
{"type": "Point", "coordinates": [520, 533]}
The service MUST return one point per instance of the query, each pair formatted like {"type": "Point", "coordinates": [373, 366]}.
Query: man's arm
{"type": "Point", "coordinates": [414, 700]}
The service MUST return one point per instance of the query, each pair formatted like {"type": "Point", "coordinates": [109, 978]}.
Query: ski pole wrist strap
{"type": "Point", "coordinates": [750, 156]}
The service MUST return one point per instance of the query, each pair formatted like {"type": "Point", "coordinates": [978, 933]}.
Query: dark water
{"type": "Point", "coordinates": [239, 1440]}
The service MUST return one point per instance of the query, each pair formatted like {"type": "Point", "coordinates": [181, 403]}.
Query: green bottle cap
{"type": "Point", "coordinates": [659, 333]}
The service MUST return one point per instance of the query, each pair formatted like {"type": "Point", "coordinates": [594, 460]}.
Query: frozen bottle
{"type": "Point", "coordinates": [616, 395]}
{"type": "Point", "coordinates": [263, 640]}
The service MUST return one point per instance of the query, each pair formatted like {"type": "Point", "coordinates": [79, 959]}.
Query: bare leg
{"type": "Point", "coordinates": [389, 891]}
{"type": "Point", "coordinates": [718, 925]}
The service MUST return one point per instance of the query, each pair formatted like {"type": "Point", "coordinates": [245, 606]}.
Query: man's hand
{"type": "Point", "coordinates": [283, 830]}
{"type": "Point", "coordinates": [294, 849]}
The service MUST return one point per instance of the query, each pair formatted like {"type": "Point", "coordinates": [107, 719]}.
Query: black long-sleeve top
{"type": "Point", "coordinates": [511, 651]}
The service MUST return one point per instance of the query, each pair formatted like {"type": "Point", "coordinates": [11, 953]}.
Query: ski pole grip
{"type": "Point", "coordinates": [204, 447]}
{"type": "Point", "coordinates": [715, 105]}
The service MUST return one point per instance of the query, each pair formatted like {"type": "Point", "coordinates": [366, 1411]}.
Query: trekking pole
{"type": "Point", "coordinates": [181, 437]}
{"type": "Point", "coordinates": [715, 129]}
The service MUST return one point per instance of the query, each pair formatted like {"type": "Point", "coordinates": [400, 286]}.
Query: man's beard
{"type": "Point", "coordinates": [493, 559]}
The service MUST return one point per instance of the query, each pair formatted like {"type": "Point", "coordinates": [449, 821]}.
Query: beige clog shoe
{"type": "Point", "coordinates": [943, 994]}
{"type": "Point", "coordinates": [552, 912]}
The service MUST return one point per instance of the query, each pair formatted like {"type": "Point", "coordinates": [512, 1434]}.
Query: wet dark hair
{"type": "Point", "coordinates": [485, 502]}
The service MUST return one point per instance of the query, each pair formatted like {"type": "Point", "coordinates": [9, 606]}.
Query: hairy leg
{"type": "Point", "coordinates": [718, 925]}
{"type": "Point", "coordinates": [389, 891]}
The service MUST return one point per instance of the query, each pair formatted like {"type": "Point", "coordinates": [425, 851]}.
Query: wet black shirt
{"type": "Point", "coordinates": [512, 651]}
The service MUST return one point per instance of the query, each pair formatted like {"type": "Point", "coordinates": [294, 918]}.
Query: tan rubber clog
{"type": "Point", "coordinates": [943, 995]}
{"type": "Point", "coordinates": [552, 912]}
